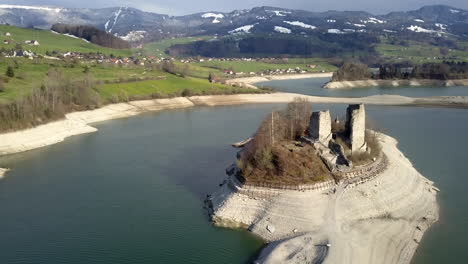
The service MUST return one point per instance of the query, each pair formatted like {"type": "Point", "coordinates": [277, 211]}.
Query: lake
{"type": "Point", "coordinates": [314, 87]}
{"type": "Point", "coordinates": [133, 192]}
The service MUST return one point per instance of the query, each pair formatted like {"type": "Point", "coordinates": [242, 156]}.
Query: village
{"type": "Point", "coordinates": [19, 49]}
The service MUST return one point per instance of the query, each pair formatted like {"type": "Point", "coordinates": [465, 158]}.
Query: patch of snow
{"type": "Point", "coordinates": [215, 17]}
{"type": "Point", "coordinates": [243, 29]}
{"type": "Point", "coordinates": [56, 10]}
{"type": "Point", "coordinates": [260, 17]}
{"type": "Point", "coordinates": [300, 24]}
{"type": "Point", "coordinates": [441, 26]}
{"type": "Point", "coordinates": [331, 21]}
{"type": "Point", "coordinates": [282, 30]}
{"type": "Point", "coordinates": [106, 25]}
{"type": "Point", "coordinates": [71, 36]}
{"type": "Point", "coordinates": [335, 31]}
{"type": "Point", "coordinates": [453, 11]}
{"type": "Point", "coordinates": [349, 30]}
{"type": "Point", "coordinates": [116, 17]}
{"type": "Point", "coordinates": [420, 29]}
{"type": "Point", "coordinates": [279, 13]}
{"type": "Point", "coordinates": [389, 31]}
{"type": "Point", "coordinates": [373, 20]}
{"type": "Point", "coordinates": [134, 35]}
{"type": "Point", "coordinates": [359, 25]}
{"type": "Point", "coordinates": [419, 20]}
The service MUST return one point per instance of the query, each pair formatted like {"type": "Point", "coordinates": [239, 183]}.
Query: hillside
{"type": "Point", "coordinates": [50, 41]}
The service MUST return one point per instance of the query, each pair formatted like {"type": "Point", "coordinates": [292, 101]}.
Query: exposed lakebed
{"type": "Point", "coordinates": [133, 192]}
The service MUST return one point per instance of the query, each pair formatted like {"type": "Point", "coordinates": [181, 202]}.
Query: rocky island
{"type": "Point", "coordinates": [323, 191]}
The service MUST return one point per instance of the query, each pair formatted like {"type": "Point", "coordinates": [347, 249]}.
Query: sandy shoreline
{"type": "Point", "coordinates": [79, 122]}
{"type": "Point", "coordinates": [379, 221]}
{"type": "Point", "coordinates": [250, 81]}
{"type": "Point", "coordinates": [394, 83]}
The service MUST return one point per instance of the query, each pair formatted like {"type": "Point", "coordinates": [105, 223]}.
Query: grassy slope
{"type": "Point", "coordinates": [170, 86]}
{"type": "Point", "coordinates": [419, 53]}
{"type": "Point", "coordinates": [241, 66]}
{"type": "Point", "coordinates": [50, 41]}
{"type": "Point", "coordinates": [159, 47]}
{"type": "Point", "coordinates": [33, 73]}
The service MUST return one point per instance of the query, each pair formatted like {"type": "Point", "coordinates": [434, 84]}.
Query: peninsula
{"type": "Point", "coordinates": [358, 75]}
{"type": "Point", "coordinates": [323, 191]}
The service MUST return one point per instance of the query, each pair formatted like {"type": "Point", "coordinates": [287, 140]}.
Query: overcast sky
{"type": "Point", "coordinates": [183, 7]}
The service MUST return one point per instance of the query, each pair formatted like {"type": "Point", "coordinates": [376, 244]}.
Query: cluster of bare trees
{"type": "Point", "coordinates": [92, 35]}
{"type": "Point", "coordinates": [56, 96]}
{"type": "Point", "coordinates": [352, 71]}
{"type": "Point", "coordinates": [264, 155]}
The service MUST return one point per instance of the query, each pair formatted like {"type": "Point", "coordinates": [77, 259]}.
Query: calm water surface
{"type": "Point", "coordinates": [133, 192]}
{"type": "Point", "coordinates": [314, 87]}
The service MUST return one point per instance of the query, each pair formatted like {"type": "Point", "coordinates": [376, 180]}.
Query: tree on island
{"type": "Point", "coordinates": [352, 71]}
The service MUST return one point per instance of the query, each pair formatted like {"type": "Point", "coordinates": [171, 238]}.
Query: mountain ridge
{"type": "Point", "coordinates": [136, 25]}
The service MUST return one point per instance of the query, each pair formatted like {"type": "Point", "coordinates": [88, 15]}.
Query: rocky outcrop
{"type": "Point", "coordinates": [379, 220]}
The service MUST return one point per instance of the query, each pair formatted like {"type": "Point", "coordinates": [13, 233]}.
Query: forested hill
{"type": "Point", "coordinates": [92, 35]}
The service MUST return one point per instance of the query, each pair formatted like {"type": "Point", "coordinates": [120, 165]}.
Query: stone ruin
{"type": "Point", "coordinates": [320, 135]}
{"type": "Point", "coordinates": [320, 126]}
{"type": "Point", "coordinates": [356, 127]}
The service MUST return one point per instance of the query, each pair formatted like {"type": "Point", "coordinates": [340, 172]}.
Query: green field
{"type": "Point", "coordinates": [158, 48]}
{"type": "Point", "coordinates": [257, 66]}
{"type": "Point", "coordinates": [52, 42]}
{"type": "Point", "coordinates": [417, 52]}
{"type": "Point", "coordinates": [170, 86]}
{"type": "Point", "coordinates": [110, 80]}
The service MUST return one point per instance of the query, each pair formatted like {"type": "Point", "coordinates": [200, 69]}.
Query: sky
{"type": "Point", "coordinates": [184, 7]}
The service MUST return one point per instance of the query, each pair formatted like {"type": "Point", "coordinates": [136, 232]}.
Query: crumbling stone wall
{"type": "Point", "coordinates": [320, 126]}
{"type": "Point", "coordinates": [356, 127]}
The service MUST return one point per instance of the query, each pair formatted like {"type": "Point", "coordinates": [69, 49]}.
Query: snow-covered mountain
{"type": "Point", "coordinates": [136, 25]}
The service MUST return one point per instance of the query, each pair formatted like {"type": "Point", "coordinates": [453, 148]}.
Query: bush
{"type": "Point", "coordinates": [10, 72]}
{"type": "Point", "coordinates": [186, 93]}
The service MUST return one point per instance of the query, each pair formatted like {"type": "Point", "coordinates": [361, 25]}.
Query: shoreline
{"type": "Point", "coordinates": [76, 123]}
{"type": "Point", "coordinates": [3, 172]}
{"type": "Point", "coordinates": [381, 220]}
{"type": "Point", "coordinates": [250, 81]}
{"type": "Point", "coordinates": [394, 83]}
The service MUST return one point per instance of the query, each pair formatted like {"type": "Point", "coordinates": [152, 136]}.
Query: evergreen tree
{"type": "Point", "coordinates": [10, 72]}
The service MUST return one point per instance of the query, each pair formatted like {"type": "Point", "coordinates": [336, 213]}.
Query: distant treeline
{"type": "Point", "coordinates": [92, 35]}
{"type": "Point", "coordinates": [320, 45]}
{"type": "Point", "coordinates": [354, 71]}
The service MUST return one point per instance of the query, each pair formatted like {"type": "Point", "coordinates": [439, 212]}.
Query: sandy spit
{"type": "Point", "coordinates": [79, 122]}
{"type": "Point", "coordinates": [393, 83]}
{"type": "Point", "coordinates": [380, 221]}
{"type": "Point", "coordinates": [249, 81]}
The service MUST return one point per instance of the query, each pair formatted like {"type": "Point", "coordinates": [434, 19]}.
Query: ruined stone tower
{"type": "Point", "coordinates": [320, 126]}
{"type": "Point", "coordinates": [356, 127]}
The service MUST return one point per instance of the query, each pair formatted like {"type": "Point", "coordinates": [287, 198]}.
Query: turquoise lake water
{"type": "Point", "coordinates": [133, 192]}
